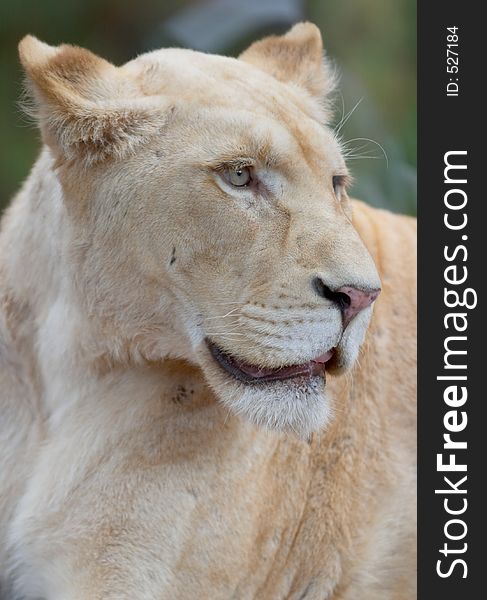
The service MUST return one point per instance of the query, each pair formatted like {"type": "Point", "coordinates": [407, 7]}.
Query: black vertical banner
{"type": "Point", "coordinates": [452, 355]}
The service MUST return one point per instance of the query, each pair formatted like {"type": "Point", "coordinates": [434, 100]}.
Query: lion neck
{"type": "Point", "coordinates": [45, 323]}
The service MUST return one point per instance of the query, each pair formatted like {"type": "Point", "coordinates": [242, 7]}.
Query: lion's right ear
{"type": "Point", "coordinates": [84, 108]}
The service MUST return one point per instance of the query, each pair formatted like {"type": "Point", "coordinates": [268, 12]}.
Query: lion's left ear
{"type": "Point", "coordinates": [296, 57]}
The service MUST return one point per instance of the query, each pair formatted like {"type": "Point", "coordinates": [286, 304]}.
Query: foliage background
{"type": "Point", "coordinates": [372, 42]}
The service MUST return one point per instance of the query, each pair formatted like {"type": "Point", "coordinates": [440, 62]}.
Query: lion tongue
{"type": "Point", "coordinates": [312, 367]}
{"type": "Point", "coordinates": [323, 358]}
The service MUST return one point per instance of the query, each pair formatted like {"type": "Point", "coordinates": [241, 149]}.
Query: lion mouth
{"type": "Point", "coordinates": [249, 373]}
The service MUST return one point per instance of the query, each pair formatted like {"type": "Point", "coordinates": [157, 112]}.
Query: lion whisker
{"type": "Point", "coordinates": [229, 327]}
{"type": "Point", "coordinates": [347, 152]}
{"type": "Point", "coordinates": [223, 316]}
{"type": "Point", "coordinates": [222, 334]}
{"type": "Point", "coordinates": [364, 157]}
{"type": "Point", "coordinates": [344, 120]}
{"type": "Point", "coordinates": [229, 414]}
{"type": "Point", "coordinates": [226, 303]}
{"type": "Point", "coordinates": [372, 142]}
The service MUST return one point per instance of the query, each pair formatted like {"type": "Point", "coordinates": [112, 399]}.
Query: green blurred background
{"type": "Point", "coordinates": [372, 42]}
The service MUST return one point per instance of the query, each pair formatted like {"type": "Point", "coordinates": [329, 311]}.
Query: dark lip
{"type": "Point", "coordinates": [247, 373]}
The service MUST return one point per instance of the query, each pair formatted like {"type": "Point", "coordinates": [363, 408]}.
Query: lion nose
{"type": "Point", "coordinates": [349, 299]}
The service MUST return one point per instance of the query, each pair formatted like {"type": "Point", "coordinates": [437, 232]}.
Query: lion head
{"type": "Point", "coordinates": [206, 216]}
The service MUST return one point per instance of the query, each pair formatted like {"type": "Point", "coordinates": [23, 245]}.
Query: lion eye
{"type": "Point", "coordinates": [239, 177]}
{"type": "Point", "coordinates": [338, 183]}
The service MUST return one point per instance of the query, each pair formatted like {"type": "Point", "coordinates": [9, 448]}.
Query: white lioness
{"type": "Point", "coordinates": [177, 274]}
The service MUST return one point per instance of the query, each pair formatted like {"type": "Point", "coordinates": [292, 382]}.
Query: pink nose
{"type": "Point", "coordinates": [350, 300]}
{"type": "Point", "coordinates": [354, 300]}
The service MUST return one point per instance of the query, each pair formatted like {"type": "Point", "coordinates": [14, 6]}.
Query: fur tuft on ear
{"type": "Point", "coordinates": [84, 108]}
{"type": "Point", "coordinates": [296, 57]}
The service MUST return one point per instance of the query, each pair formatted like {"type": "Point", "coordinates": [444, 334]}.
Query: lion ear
{"type": "Point", "coordinates": [83, 106]}
{"type": "Point", "coordinates": [296, 57]}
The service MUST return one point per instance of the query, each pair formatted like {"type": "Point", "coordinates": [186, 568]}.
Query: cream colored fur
{"type": "Point", "coordinates": [132, 465]}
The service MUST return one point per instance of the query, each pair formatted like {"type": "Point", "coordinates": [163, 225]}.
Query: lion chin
{"type": "Point", "coordinates": [290, 398]}
{"type": "Point", "coordinates": [299, 405]}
